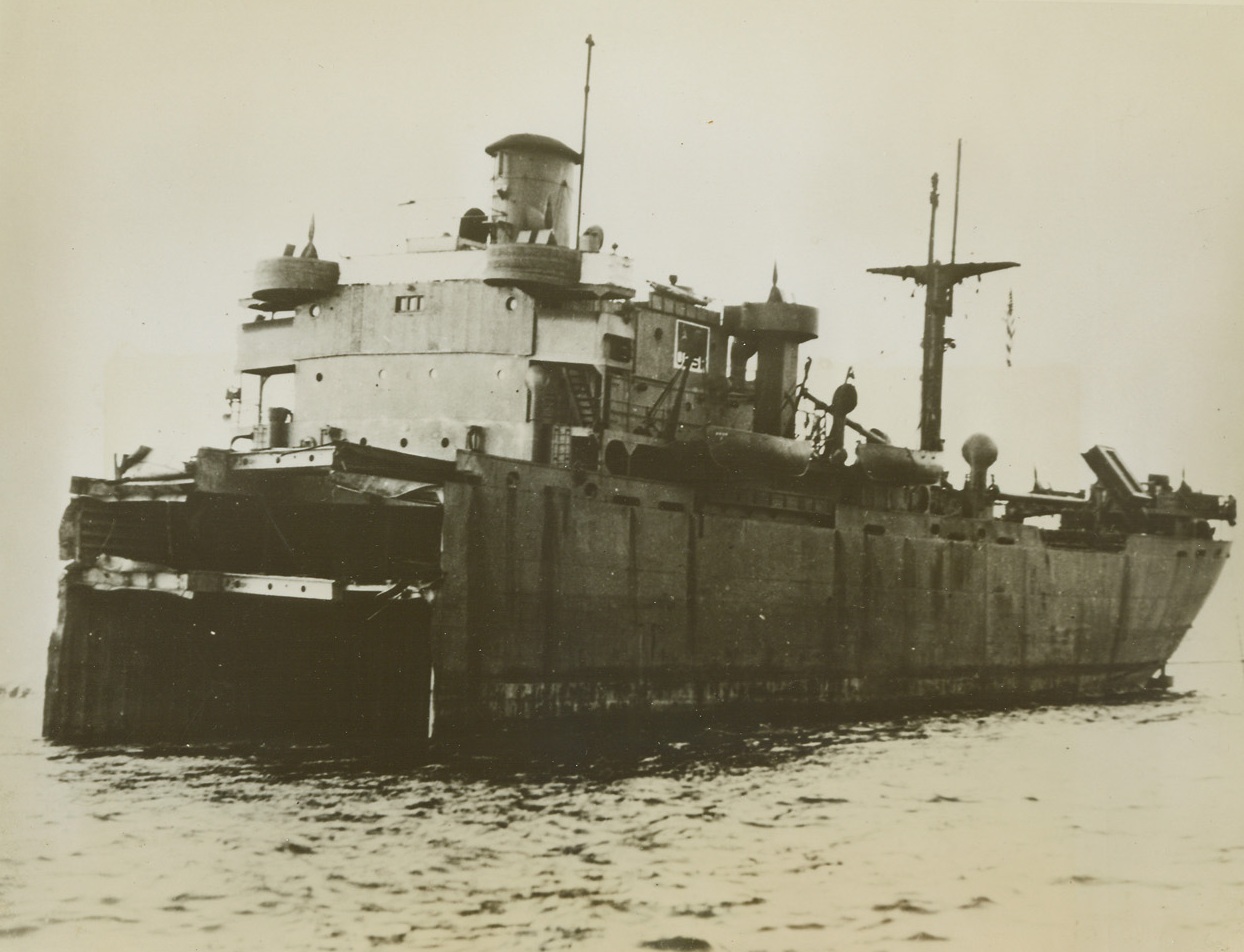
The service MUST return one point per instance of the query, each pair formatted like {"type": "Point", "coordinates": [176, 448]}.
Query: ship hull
{"type": "Point", "coordinates": [570, 594]}
{"type": "Point", "coordinates": [561, 594]}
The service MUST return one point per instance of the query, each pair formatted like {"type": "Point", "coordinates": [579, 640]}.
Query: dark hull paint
{"type": "Point", "coordinates": [569, 595]}
{"type": "Point", "coordinates": [141, 667]}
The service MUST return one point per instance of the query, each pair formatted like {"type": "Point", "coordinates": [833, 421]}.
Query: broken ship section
{"type": "Point", "coordinates": [271, 594]}
{"type": "Point", "coordinates": [504, 487]}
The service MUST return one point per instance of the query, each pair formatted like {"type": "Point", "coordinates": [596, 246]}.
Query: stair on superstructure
{"type": "Point", "coordinates": [579, 385]}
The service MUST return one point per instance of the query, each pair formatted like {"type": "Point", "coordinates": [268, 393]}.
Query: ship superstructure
{"type": "Point", "coordinates": [511, 484]}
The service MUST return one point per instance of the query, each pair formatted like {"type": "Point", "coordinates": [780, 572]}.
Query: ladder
{"type": "Point", "coordinates": [582, 392]}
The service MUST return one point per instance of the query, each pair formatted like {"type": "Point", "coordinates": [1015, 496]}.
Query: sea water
{"type": "Point", "coordinates": [1082, 827]}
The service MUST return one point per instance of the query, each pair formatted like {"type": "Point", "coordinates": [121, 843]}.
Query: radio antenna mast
{"type": "Point", "coordinates": [954, 228]}
{"type": "Point", "coordinates": [587, 87]}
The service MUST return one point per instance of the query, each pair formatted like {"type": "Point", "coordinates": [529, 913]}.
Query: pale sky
{"type": "Point", "coordinates": [151, 152]}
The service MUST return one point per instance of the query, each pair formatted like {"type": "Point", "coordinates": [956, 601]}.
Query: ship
{"type": "Point", "coordinates": [515, 484]}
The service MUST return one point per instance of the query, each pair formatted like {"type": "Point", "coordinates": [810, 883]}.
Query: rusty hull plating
{"type": "Point", "coordinates": [509, 488]}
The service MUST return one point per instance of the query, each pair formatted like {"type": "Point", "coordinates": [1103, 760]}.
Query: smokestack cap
{"type": "Point", "coordinates": [528, 142]}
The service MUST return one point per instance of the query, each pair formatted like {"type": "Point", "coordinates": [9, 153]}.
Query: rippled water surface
{"type": "Point", "coordinates": [1086, 827]}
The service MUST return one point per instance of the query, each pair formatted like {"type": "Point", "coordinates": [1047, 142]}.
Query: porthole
{"type": "Point", "coordinates": [380, 374]}
{"type": "Point", "coordinates": [319, 377]}
{"type": "Point", "coordinates": [511, 303]}
{"type": "Point", "coordinates": [431, 373]}
{"type": "Point", "coordinates": [363, 441]}
{"type": "Point", "coordinates": [444, 442]}
{"type": "Point", "coordinates": [403, 442]}
{"type": "Point", "coordinates": [315, 310]}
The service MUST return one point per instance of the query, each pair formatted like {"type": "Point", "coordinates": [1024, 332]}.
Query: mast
{"type": "Point", "coordinates": [587, 88]}
{"type": "Point", "coordinates": [939, 281]}
{"type": "Point", "coordinates": [954, 228]}
{"type": "Point", "coordinates": [954, 231]}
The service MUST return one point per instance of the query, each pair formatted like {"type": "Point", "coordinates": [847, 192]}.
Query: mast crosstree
{"type": "Point", "coordinates": [939, 281]}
